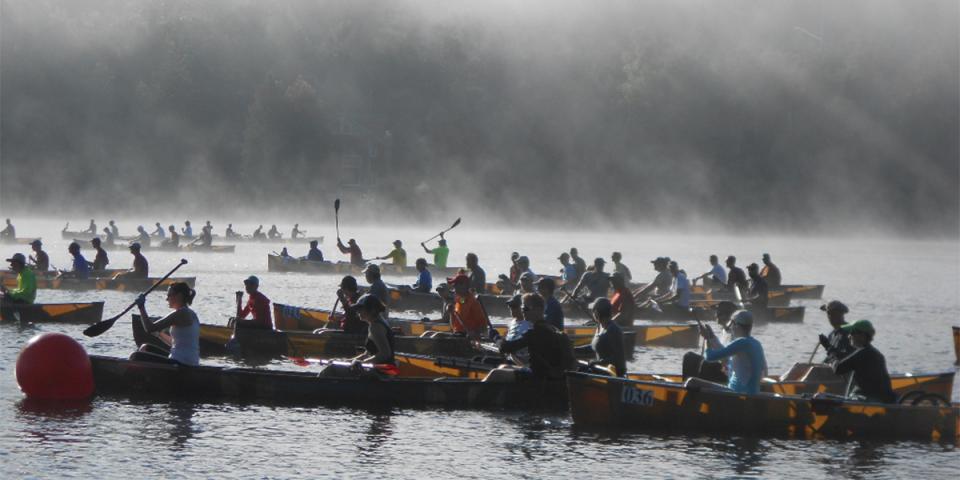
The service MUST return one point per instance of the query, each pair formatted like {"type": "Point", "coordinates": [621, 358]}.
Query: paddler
{"type": "Point", "coordinates": [92, 229]}
{"type": "Point", "coordinates": [183, 324]}
{"type": "Point", "coordinates": [81, 269]}
{"type": "Point", "coordinates": [736, 277]}
{"type": "Point", "coordinates": [619, 267]}
{"type": "Point", "coordinates": [770, 272]}
{"type": "Point", "coordinates": [662, 283]}
{"type": "Point", "coordinates": [206, 235]}
{"type": "Point", "coordinates": [551, 352]}
{"type": "Point", "coordinates": [174, 240]}
{"type": "Point", "coordinates": [467, 316]}
{"type": "Point", "coordinates": [837, 344]}
{"type": "Point", "coordinates": [517, 327]}
{"type": "Point", "coordinates": [348, 294]}
{"type": "Point", "coordinates": [141, 269]}
{"type": "Point", "coordinates": [569, 271]}
{"type": "Point", "coordinates": [113, 229]}
{"type": "Point", "coordinates": [143, 237]}
{"type": "Point", "coordinates": [296, 232]}
{"type": "Point", "coordinates": [356, 256]}
{"type": "Point", "coordinates": [398, 255]}
{"type": "Point", "coordinates": [525, 285]}
{"type": "Point", "coordinates": [678, 298]}
{"type": "Point", "coordinates": [694, 365]}
{"type": "Point", "coordinates": [440, 253]}
{"type": "Point", "coordinates": [759, 294]}
{"type": "Point", "coordinates": [607, 342]}
{"type": "Point", "coordinates": [579, 263]}
{"type": "Point", "coordinates": [424, 279]}
{"type": "Point", "coordinates": [100, 261]}
{"type": "Point", "coordinates": [26, 291]}
{"type": "Point", "coordinates": [595, 282]}
{"type": "Point", "coordinates": [523, 266]}
{"type": "Point", "coordinates": [273, 233]}
{"type": "Point", "coordinates": [9, 232]}
{"type": "Point", "coordinates": [257, 305]}
{"type": "Point", "coordinates": [41, 261]}
{"type": "Point", "coordinates": [229, 233]}
{"type": "Point", "coordinates": [380, 346]}
{"type": "Point", "coordinates": [623, 307]}
{"type": "Point", "coordinates": [371, 273]}
{"type": "Point", "coordinates": [716, 277]}
{"type": "Point", "coordinates": [314, 254]}
{"type": "Point", "coordinates": [108, 237]}
{"type": "Point", "coordinates": [159, 233]}
{"type": "Point", "coordinates": [478, 277]}
{"type": "Point", "coordinates": [747, 365]}
{"type": "Point", "coordinates": [514, 269]}
{"type": "Point", "coordinates": [258, 234]}
{"type": "Point", "coordinates": [553, 311]}
{"type": "Point", "coordinates": [187, 229]}
{"type": "Point", "coordinates": [871, 380]}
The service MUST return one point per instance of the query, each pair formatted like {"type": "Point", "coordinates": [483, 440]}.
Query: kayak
{"type": "Point", "coordinates": [276, 263]}
{"type": "Point", "coordinates": [83, 313]}
{"type": "Point", "coordinates": [162, 381]}
{"type": "Point", "coordinates": [288, 317]}
{"type": "Point", "coordinates": [598, 401]}
{"type": "Point", "coordinates": [119, 284]}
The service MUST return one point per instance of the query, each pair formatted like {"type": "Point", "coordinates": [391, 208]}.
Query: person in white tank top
{"type": "Point", "coordinates": [184, 328]}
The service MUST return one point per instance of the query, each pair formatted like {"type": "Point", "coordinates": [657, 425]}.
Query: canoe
{"type": "Point", "coordinates": [495, 305]}
{"type": "Point", "coordinates": [120, 284]}
{"type": "Point", "coordinates": [821, 379]}
{"type": "Point", "coordinates": [299, 240]}
{"type": "Point", "coordinates": [160, 381]}
{"type": "Point", "coordinates": [6, 275]}
{"type": "Point", "coordinates": [288, 317]}
{"type": "Point", "coordinates": [598, 401]}
{"type": "Point", "coordinates": [18, 240]}
{"type": "Point", "coordinates": [78, 236]}
{"type": "Point", "coordinates": [276, 263]}
{"type": "Point", "coordinates": [82, 313]}
{"type": "Point", "coordinates": [197, 248]}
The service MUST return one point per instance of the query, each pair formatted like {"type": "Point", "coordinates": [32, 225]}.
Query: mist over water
{"type": "Point", "coordinates": [792, 115]}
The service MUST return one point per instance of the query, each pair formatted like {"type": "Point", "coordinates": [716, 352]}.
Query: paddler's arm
{"type": "Point", "coordinates": [510, 346]}
{"type": "Point", "coordinates": [425, 249]}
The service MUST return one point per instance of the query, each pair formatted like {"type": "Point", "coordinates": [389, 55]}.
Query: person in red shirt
{"type": "Point", "coordinates": [466, 314]}
{"type": "Point", "coordinates": [257, 304]}
{"type": "Point", "coordinates": [623, 306]}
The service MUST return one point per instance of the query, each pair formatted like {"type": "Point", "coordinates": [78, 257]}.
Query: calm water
{"type": "Point", "coordinates": [909, 289]}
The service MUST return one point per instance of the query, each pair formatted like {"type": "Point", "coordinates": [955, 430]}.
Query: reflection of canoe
{"type": "Point", "coordinates": [18, 240]}
{"type": "Point", "coordinates": [121, 284]}
{"type": "Point", "coordinates": [289, 317]}
{"type": "Point", "coordinates": [597, 401]}
{"type": "Point", "coordinates": [84, 313]}
{"type": "Point", "coordinates": [160, 381]}
{"type": "Point", "coordinates": [276, 263]}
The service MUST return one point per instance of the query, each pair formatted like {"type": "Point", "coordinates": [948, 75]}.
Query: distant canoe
{"type": "Point", "coordinates": [82, 313]}
{"type": "Point", "coordinates": [119, 284]}
{"type": "Point", "coordinates": [276, 263]}
{"type": "Point", "coordinates": [298, 240]}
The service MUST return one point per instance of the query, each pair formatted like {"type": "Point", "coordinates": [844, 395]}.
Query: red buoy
{"type": "Point", "coordinates": [53, 366]}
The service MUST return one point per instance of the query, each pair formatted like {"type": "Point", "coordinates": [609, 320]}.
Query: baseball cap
{"type": "Point", "coordinates": [36, 242]}
{"type": "Point", "coordinates": [372, 268]}
{"type": "Point", "coordinates": [547, 281]}
{"type": "Point", "coordinates": [602, 306]}
{"type": "Point", "coordinates": [18, 257]}
{"type": "Point", "coordinates": [860, 326]}
{"type": "Point", "coordinates": [833, 305]}
{"type": "Point", "coordinates": [252, 280]}
{"type": "Point", "coordinates": [742, 317]}
{"type": "Point", "coordinates": [514, 301]}
{"type": "Point", "coordinates": [528, 276]}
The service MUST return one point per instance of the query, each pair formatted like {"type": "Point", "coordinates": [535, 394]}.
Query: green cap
{"type": "Point", "coordinates": [860, 326]}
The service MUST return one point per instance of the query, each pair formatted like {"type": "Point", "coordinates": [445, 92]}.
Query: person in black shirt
{"type": "Point", "coordinates": [735, 277]}
{"type": "Point", "coordinates": [41, 260]}
{"type": "Point", "coordinates": [348, 294]}
{"type": "Point", "coordinates": [871, 381]}
{"type": "Point", "coordinates": [478, 277]}
{"type": "Point", "coordinates": [371, 273]}
{"type": "Point", "coordinates": [759, 292]}
{"type": "Point", "coordinates": [608, 341]}
{"type": "Point", "coordinates": [837, 344]}
{"type": "Point", "coordinates": [100, 261]}
{"type": "Point", "coordinates": [551, 352]}
{"type": "Point", "coordinates": [315, 255]}
{"type": "Point", "coordinates": [770, 272]}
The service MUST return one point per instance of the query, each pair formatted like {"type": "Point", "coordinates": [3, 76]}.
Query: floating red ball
{"type": "Point", "coordinates": [53, 366]}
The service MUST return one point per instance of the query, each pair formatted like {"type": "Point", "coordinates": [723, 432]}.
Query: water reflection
{"type": "Point", "coordinates": [744, 454]}
{"type": "Point", "coordinates": [181, 423]}
{"type": "Point", "coordinates": [377, 435]}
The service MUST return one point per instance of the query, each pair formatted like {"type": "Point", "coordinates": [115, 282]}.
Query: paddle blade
{"type": "Point", "coordinates": [336, 205]}
{"type": "Point", "coordinates": [455, 224]}
{"type": "Point", "coordinates": [98, 328]}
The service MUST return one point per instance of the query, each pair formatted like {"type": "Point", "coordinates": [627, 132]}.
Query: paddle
{"type": "Point", "coordinates": [98, 328]}
{"type": "Point", "coordinates": [336, 216]}
{"type": "Point", "coordinates": [445, 231]}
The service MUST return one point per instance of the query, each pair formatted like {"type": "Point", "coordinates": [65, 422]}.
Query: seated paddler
{"type": "Point", "coordinates": [183, 324]}
{"type": "Point", "coordinates": [871, 380]}
{"type": "Point", "coordinates": [747, 364]}
{"type": "Point", "coordinates": [258, 305]}
{"type": "Point", "coordinates": [551, 352]}
{"type": "Point", "coordinates": [607, 342]}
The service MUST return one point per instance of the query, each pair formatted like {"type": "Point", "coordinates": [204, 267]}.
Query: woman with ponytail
{"type": "Point", "coordinates": [183, 323]}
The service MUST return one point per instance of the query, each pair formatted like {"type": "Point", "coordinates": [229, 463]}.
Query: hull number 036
{"type": "Point", "coordinates": [633, 396]}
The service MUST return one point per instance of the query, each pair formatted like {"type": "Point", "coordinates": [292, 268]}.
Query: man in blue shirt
{"type": "Point", "coordinates": [747, 364]}
{"type": "Point", "coordinates": [81, 269]}
{"type": "Point", "coordinates": [569, 271]}
{"type": "Point", "coordinates": [424, 279]}
{"type": "Point", "coordinates": [553, 311]}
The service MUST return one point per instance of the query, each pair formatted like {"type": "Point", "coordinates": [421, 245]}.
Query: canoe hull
{"type": "Point", "coordinates": [78, 313]}
{"type": "Point", "coordinates": [113, 376]}
{"type": "Point", "coordinates": [276, 263]}
{"type": "Point", "coordinates": [123, 284]}
{"type": "Point", "coordinates": [610, 402]}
